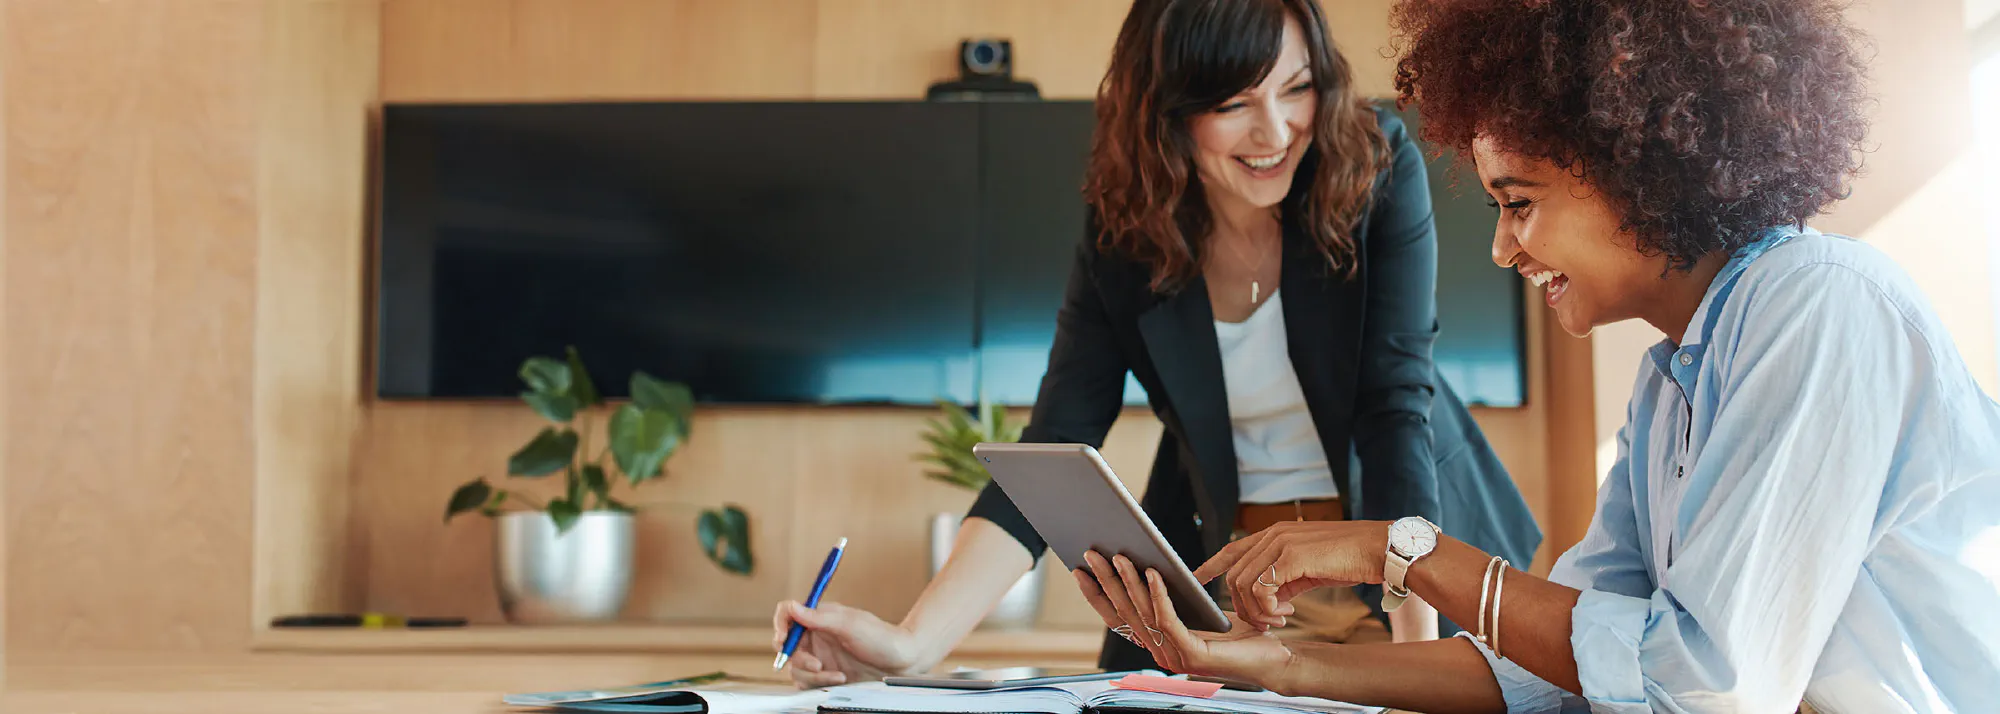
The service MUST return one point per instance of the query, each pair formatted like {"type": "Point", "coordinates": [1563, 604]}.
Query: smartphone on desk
{"type": "Point", "coordinates": [999, 679]}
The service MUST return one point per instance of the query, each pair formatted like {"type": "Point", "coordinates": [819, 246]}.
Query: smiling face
{"type": "Point", "coordinates": [1248, 148]}
{"type": "Point", "coordinates": [1564, 236]}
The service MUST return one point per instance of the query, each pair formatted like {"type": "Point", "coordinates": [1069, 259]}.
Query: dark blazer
{"type": "Point", "coordinates": [1362, 351]}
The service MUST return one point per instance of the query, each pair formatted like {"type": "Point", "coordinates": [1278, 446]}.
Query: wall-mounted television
{"type": "Point", "coordinates": [768, 252]}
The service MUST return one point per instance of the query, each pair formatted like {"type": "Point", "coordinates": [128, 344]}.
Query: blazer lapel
{"type": "Point", "coordinates": [1323, 333]}
{"type": "Point", "coordinates": [1180, 338]}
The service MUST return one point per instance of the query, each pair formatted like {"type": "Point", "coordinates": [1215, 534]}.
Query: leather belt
{"type": "Point", "coordinates": [1254, 517]}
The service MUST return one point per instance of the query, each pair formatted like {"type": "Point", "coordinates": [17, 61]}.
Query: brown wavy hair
{"type": "Point", "coordinates": [1702, 121]}
{"type": "Point", "coordinates": [1177, 58]}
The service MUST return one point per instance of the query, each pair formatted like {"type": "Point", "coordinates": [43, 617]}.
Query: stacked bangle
{"type": "Point", "coordinates": [1490, 586]}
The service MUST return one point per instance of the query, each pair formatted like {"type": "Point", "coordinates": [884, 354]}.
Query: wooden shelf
{"type": "Point", "coordinates": [639, 637]}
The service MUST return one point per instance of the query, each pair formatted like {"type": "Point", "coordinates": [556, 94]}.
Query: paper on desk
{"type": "Point", "coordinates": [1075, 698]}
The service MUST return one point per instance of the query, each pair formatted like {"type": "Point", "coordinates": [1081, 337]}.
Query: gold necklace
{"type": "Point", "coordinates": [1255, 288]}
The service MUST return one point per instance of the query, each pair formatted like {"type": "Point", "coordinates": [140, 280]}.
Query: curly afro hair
{"type": "Point", "coordinates": [1702, 121]}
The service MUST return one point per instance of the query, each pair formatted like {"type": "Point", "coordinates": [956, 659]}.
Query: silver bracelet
{"type": "Point", "coordinates": [1499, 585]}
{"type": "Point", "coordinates": [1485, 591]}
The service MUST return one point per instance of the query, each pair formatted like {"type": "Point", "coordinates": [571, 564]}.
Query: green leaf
{"type": "Point", "coordinates": [584, 390]}
{"type": "Point", "coordinates": [961, 421]}
{"type": "Point", "coordinates": [558, 408]}
{"type": "Point", "coordinates": [564, 513]}
{"type": "Point", "coordinates": [548, 453]}
{"type": "Point", "coordinates": [672, 398]}
{"type": "Point", "coordinates": [545, 375]}
{"type": "Point", "coordinates": [468, 497]}
{"type": "Point", "coordinates": [641, 441]}
{"type": "Point", "coordinates": [573, 485]}
{"type": "Point", "coordinates": [595, 481]}
{"type": "Point", "coordinates": [725, 539]}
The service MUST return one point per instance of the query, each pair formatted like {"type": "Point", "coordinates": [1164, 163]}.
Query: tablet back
{"type": "Point", "coordinates": [1076, 503]}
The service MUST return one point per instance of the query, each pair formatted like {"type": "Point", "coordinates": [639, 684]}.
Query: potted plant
{"type": "Point", "coordinates": [570, 559]}
{"type": "Point", "coordinates": [951, 462]}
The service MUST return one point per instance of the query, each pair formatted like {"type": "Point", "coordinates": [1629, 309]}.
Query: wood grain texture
{"type": "Point", "coordinates": [5, 377]}
{"type": "Point", "coordinates": [319, 78]}
{"type": "Point", "coordinates": [715, 640]}
{"type": "Point", "coordinates": [130, 292]}
{"type": "Point", "coordinates": [545, 50]}
{"type": "Point", "coordinates": [896, 48]}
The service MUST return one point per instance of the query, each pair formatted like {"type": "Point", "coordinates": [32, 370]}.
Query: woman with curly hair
{"type": "Point", "coordinates": [1261, 258]}
{"type": "Point", "coordinates": [1805, 508]}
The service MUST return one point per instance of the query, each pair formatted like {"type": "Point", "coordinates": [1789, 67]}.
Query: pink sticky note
{"type": "Point", "coordinates": [1168, 685]}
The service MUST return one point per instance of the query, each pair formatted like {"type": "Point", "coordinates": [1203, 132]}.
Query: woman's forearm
{"type": "Point", "coordinates": [985, 561]}
{"type": "Point", "coordinates": [1534, 625]}
{"type": "Point", "coordinates": [1437, 677]}
{"type": "Point", "coordinates": [1415, 621]}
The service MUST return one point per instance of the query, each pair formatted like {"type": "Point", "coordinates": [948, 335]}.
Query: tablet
{"type": "Point", "coordinates": [1076, 503]}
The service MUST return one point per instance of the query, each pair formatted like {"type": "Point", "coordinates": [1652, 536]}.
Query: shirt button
{"type": "Point", "coordinates": [1686, 359]}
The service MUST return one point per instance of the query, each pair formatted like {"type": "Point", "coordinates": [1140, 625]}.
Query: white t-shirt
{"type": "Point", "coordinates": [1278, 454]}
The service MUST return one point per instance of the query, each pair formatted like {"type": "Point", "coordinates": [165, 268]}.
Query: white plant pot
{"type": "Point", "coordinates": [1018, 609]}
{"type": "Point", "coordinates": [583, 575]}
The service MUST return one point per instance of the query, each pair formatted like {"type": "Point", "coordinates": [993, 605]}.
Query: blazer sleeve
{"type": "Point", "coordinates": [1081, 394]}
{"type": "Point", "coordinates": [1392, 429]}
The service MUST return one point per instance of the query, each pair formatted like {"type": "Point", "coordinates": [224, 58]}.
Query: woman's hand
{"type": "Point", "coordinates": [1138, 608]}
{"type": "Point", "coordinates": [1267, 569]}
{"type": "Point", "coordinates": [843, 645]}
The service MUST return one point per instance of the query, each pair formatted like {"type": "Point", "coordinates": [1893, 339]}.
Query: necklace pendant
{"type": "Point", "coordinates": [1253, 292]}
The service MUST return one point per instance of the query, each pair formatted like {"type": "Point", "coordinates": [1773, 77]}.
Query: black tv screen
{"type": "Point", "coordinates": [815, 252]}
{"type": "Point", "coordinates": [780, 252]}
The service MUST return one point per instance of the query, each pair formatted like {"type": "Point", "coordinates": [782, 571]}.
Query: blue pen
{"type": "Point", "coordinates": [812, 601]}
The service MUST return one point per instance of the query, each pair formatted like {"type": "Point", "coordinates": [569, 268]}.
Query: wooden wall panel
{"type": "Point", "coordinates": [5, 433]}
{"type": "Point", "coordinates": [897, 48]}
{"type": "Point", "coordinates": [545, 50]}
{"type": "Point", "coordinates": [806, 477]}
{"type": "Point", "coordinates": [319, 78]}
{"type": "Point", "coordinates": [130, 294]}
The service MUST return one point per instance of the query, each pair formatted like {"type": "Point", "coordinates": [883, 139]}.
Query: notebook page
{"type": "Point", "coordinates": [1053, 699]}
{"type": "Point", "coordinates": [1226, 701]}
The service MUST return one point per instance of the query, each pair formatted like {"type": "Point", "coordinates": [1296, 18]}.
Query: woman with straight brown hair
{"type": "Point", "coordinates": [1261, 257]}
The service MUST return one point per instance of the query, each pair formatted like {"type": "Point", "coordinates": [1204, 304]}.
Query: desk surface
{"type": "Point", "coordinates": [329, 684]}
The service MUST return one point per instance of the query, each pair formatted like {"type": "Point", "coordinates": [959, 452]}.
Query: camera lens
{"type": "Point", "coordinates": [985, 57]}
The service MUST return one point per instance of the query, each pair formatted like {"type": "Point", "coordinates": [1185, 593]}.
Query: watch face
{"type": "Point", "coordinates": [1412, 537]}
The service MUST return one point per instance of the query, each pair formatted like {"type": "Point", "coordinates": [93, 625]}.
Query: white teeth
{"type": "Point", "coordinates": [1544, 277]}
{"type": "Point", "coordinates": [1261, 163]}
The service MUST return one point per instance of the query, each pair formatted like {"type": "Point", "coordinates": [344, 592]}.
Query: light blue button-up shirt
{"type": "Point", "coordinates": [1805, 507]}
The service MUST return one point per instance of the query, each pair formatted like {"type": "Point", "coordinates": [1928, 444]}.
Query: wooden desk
{"type": "Point", "coordinates": [322, 683]}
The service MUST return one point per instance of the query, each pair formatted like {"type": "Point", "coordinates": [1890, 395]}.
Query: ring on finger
{"type": "Point", "coordinates": [1274, 576]}
{"type": "Point", "coordinates": [1125, 631]}
{"type": "Point", "coordinates": [1159, 638]}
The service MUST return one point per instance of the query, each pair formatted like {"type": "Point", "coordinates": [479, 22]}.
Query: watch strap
{"type": "Point", "coordinates": [1394, 568]}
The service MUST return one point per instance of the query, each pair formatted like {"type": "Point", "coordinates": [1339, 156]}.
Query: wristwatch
{"type": "Point", "coordinates": [1410, 539]}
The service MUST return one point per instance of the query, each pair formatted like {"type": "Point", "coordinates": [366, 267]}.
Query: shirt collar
{"type": "Point", "coordinates": [1681, 361]}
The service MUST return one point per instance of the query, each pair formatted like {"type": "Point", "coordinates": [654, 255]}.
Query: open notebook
{"type": "Point", "coordinates": [1078, 698]}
